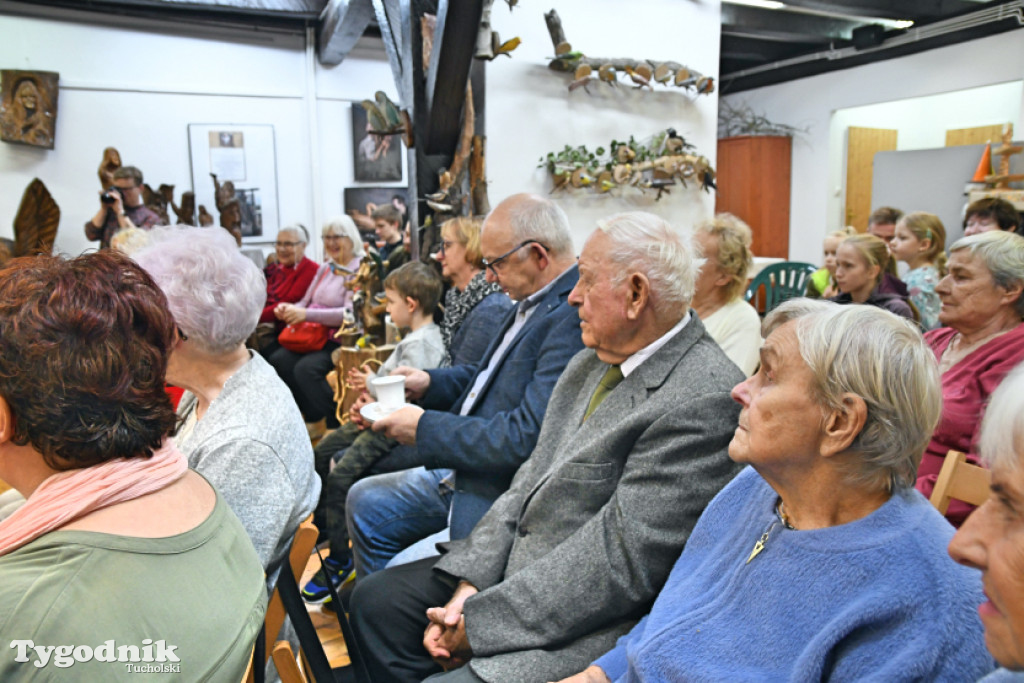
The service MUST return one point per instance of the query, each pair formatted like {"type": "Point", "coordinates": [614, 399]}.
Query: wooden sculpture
{"type": "Point", "coordinates": [35, 225]}
{"type": "Point", "coordinates": [658, 165]}
{"type": "Point", "coordinates": [111, 162]}
{"type": "Point", "coordinates": [643, 73]}
{"type": "Point", "coordinates": [1002, 179]}
{"type": "Point", "coordinates": [229, 207]}
{"type": "Point", "coordinates": [366, 304]}
{"type": "Point", "coordinates": [28, 107]}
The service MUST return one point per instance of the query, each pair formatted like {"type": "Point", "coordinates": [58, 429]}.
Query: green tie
{"type": "Point", "coordinates": [609, 381]}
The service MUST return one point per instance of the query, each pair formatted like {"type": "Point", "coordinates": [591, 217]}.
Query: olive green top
{"type": "Point", "coordinates": [201, 593]}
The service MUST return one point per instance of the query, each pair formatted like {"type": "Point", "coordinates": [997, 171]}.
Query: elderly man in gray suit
{"type": "Point", "coordinates": [632, 448]}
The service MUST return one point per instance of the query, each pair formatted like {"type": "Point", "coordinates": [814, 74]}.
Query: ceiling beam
{"type": "Point", "coordinates": [458, 22]}
{"type": "Point", "coordinates": [344, 23]}
{"type": "Point", "coordinates": [765, 24]}
{"type": "Point", "coordinates": [918, 10]}
{"type": "Point", "coordinates": [762, 51]}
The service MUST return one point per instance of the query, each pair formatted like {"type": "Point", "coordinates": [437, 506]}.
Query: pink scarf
{"type": "Point", "coordinates": [67, 496]}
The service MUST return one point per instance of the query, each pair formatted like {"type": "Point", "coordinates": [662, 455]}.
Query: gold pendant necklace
{"type": "Point", "coordinates": [759, 546]}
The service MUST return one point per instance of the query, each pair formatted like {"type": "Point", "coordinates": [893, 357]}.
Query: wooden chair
{"type": "Point", "coordinates": [287, 666]}
{"type": "Point", "coordinates": [961, 480]}
{"type": "Point", "coordinates": [302, 546]}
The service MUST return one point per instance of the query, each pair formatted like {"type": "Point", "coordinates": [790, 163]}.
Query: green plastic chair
{"type": "Point", "coordinates": [778, 282]}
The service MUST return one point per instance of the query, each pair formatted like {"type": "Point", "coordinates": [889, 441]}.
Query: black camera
{"type": "Point", "coordinates": [108, 196]}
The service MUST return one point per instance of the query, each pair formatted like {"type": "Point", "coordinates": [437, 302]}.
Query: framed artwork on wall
{"type": "Point", "coordinates": [376, 158]}
{"type": "Point", "coordinates": [28, 107]}
{"type": "Point", "coordinates": [234, 175]}
{"type": "Point", "coordinates": [359, 202]}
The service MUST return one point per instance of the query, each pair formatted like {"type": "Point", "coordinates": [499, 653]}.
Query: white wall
{"type": "Point", "coordinates": [816, 204]}
{"type": "Point", "coordinates": [922, 122]}
{"type": "Point", "coordinates": [138, 90]}
{"type": "Point", "coordinates": [530, 111]}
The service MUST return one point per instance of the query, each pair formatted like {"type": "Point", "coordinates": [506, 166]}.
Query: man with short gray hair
{"type": "Point", "coordinates": [632, 448]}
{"type": "Point", "coordinates": [481, 420]}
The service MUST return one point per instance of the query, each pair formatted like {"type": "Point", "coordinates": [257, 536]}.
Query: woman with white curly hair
{"type": "Point", "coordinates": [240, 428]}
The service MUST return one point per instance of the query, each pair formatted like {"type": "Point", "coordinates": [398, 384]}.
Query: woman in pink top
{"type": "Point", "coordinates": [327, 301]}
{"type": "Point", "coordinates": [981, 341]}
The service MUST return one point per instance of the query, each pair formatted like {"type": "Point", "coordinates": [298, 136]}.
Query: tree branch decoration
{"type": "Point", "coordinates": [742, 120]}
{"type": "Point", "coordinates": [642, 73]}
{"type": "Point", "coordinates": [657, 165]}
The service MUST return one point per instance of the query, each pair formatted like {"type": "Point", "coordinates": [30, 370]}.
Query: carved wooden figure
{"type": "Point", "coordinates": [35, 225]}
{"type": "Point", "coordinates": [367, 284]}
{"type": "Point", "coordinates": [110, 163]}
{"type": "Point", "coordinates": [28, 107]}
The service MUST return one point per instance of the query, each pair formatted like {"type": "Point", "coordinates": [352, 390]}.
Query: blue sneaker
{"type": "Point", "coordinates": [316, 589]}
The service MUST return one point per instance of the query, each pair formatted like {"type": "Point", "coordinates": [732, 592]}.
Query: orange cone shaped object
{"type": "Point", "coordinates": [984, 166]}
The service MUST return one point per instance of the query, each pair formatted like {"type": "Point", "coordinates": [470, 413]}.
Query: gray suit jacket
{"type": "Point", "coordinates": [574, 553]}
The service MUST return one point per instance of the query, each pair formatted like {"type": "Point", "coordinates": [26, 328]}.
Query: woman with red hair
{"type": "Point", "coordinates": [119, 546]}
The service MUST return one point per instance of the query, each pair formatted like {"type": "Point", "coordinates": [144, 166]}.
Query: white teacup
{"type": "Point", "coordinates": [390, 392]}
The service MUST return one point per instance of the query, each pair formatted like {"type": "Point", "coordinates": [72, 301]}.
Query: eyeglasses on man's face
{"type": "Point", "coordinates": [495, 264]}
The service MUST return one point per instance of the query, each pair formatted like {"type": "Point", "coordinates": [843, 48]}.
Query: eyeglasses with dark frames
{"type": "Point", "coordinates": [493, 265]}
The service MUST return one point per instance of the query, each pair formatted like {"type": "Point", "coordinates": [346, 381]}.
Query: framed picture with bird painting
{"type": "Point", "coordinates": [376, 157]}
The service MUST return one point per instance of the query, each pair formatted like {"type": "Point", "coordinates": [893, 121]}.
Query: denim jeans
{"type": "Point", "coordinates": [389, 512]}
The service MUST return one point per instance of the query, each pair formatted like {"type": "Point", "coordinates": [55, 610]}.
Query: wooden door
{"type": "Point", "coordinates": [753, 179]}
{"type": "Point", "coordinates": [861, 146]}
{"type": "Point", "coordinates": [974, 136]}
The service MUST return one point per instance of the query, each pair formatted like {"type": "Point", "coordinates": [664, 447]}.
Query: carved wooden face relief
{"type": "Point", "coordinates": [28, 107]}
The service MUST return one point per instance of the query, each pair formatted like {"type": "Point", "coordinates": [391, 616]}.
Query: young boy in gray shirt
{"type": "Point", "coordinates": [413, 292]}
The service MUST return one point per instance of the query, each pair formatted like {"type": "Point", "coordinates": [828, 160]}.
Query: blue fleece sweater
{"type": "Point", "coordinates": [876, 599]}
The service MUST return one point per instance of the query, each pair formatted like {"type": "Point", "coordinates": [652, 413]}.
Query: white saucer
{"type": "Point", "coordinates": [374, 411]}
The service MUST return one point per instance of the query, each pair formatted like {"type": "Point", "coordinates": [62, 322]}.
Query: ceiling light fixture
{"type": "Point", "coordinates": [763, 4]}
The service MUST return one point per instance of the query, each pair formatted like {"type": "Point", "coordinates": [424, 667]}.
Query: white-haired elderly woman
{"type": "Point", "coordinates": [992, 538]}
{"type": "Point", "coordinates": [290, 275]}
{"type": "Point", "coordinates": [327, 301]}
{"type": "Point", "coordinates": [980, 341]}
{"type": "Point", "coordinates": [239, 426]}
{"type": "Point", "coordinates": [724, 243]}
{"type": "Point", "coordinates": [819, 561]}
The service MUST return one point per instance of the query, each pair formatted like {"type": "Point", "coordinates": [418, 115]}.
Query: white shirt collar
{"type": "Point", "coordinates": [634, 361]}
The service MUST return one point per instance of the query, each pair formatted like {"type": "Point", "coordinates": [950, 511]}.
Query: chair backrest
{"type": "Point", "coordinates": [302, 547]}
{"type": "Point", "coordinates": [287, 666]}
{"type": "Point", "coordinates": [780, 281]}
{"type": "Point", "coordinates": [961, 480]}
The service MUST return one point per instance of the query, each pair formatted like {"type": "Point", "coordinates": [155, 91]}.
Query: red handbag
{"type": "Point", "coordinates": [303, 337]}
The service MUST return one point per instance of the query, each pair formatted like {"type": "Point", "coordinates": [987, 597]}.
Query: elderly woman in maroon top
{"type": "Point", "coordinates": [981, 340]}
{"type": "Point", "coordinates": [290, 276]}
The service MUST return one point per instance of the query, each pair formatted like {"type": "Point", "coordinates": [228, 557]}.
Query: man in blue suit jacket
{"type": "Point", "coordinates": [481, 420]}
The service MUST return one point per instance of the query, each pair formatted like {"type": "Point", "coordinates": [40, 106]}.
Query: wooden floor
{"type": "Point", "coordinates": [326, 623]}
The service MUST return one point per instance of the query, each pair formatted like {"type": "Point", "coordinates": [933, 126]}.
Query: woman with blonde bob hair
{"type": "Point", "coordinates": [473, 307]}
{"type": "Point", "coordinates": [819, 561]}
{"type": "Point", "coordinates": [718, 299]}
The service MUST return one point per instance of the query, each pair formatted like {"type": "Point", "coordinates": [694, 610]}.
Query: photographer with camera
{"type": "Point", "coordinates": [120, 207]}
